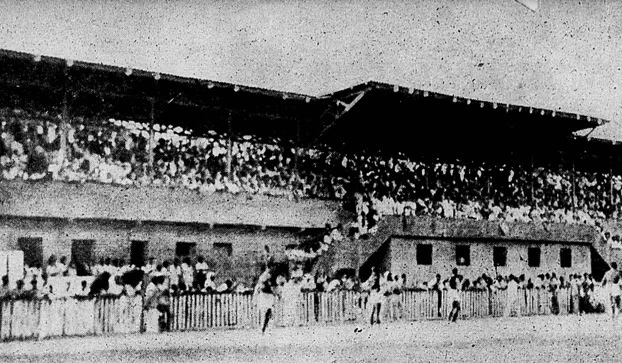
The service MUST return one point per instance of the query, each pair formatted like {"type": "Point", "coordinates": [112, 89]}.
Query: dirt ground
{"type": "Point", "coordinates": [592, 338]}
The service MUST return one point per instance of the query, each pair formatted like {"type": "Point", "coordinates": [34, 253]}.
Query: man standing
{"type": "Point", "coordinates": [454, 296]}
{"type": "Point", "coordinates": [150, 305]}
{"type": "Point", "coordinates": [608, 283]}
{"type": "Point", "coordinates": [575, 288]}
{"type": "Point", "coordinates": [513, 302]}
{"type": "Point", "coordinates": [435, 284]}
{"type": "Point", "coordinates": [265, 296]}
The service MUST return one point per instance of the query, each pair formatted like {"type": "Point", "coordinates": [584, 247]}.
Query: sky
{"type": "Point", "coordinates": [565, 56]}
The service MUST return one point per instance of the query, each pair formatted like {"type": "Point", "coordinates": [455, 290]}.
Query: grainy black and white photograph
{"type": "Point", "coordinates": [310, 181]}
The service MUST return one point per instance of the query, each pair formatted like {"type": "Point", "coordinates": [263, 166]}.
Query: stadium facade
{"type": "Point", "coordinates": [91, 221]}
{"type": "Point", "coordinates": [424, 247]}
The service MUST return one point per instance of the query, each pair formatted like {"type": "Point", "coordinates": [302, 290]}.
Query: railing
{"type": "Point", "coordinates": [23, 319]}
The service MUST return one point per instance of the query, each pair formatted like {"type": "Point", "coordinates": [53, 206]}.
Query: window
{"type": "Point", "coordinates": [185, 249]}
{"type": "Point", "coordinates": [565, 257]}
{"type": "Point", "coordinates": [223, 249]}
{"type": "Point", "coordinates": [424, 254]}
{"type": "Point", "coordinates": [533, 257]}
{"type": "Point", "coordinates": [138, 252]}
{"type": "Point", "coordinates": [33, 250]}
{"type": "Point", "coordinates": [82, 254]}
{"type": "Point", "coordinates": [463, 255]}
{"type": "Point", "coordinates": [500, 256]}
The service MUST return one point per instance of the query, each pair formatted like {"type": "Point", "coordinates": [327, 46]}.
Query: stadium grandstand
{"type": "Point", "coordinates": [100, 161]}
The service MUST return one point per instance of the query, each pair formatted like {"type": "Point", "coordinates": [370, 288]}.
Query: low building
{"type": "Point", "coordinates": [88, 222]}
{"type": "Point", "coordinates": [424, 247]}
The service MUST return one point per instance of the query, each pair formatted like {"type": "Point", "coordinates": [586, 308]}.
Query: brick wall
{"type": "Point", "coordinates": [113, 239]}
{"type": "Point", "coordinates": [404, 258]}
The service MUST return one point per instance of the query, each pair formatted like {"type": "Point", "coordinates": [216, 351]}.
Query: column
{"type": "Point", "coordinates": [151, 134]}
{"type": "Point", "coordinates": [229, 144]}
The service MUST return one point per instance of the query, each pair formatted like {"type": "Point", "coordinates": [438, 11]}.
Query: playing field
{"type": "Point", "coordinates": [531, 339]}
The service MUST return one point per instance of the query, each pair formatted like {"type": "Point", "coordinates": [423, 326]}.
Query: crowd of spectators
{"type": "Point", "coordinates": [395, 282]}
{"type": "Point", "coordinates": [37, 146]}
{"type": "Point", "coordinates": [114, 277]}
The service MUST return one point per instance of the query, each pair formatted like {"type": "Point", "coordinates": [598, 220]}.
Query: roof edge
{"type": "Point", "coordinates": [299, 96]}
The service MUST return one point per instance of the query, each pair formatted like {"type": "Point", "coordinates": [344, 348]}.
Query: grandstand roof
{"type": "Point", "coordinates": [110, 91]}
{"type": "Point", "coordinates": [378, 112]}
{"type": "Point", "coordinates": [558, 119]}
{"type": "Point", "coordinates": [368, 115]}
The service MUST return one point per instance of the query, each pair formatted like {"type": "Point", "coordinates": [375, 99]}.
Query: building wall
{"type": "Point", "coordinates": [113, 239]}
{"type": "Point", "coordinates": [404, 258]}
{"type": "Point", "coordinates": [161, 204]}
{"type": "Point", "coordinates": [607, 252]}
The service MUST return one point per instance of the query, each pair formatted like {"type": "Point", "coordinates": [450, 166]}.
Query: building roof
{"type": "Point", "coordinates": [368, 115]}
{"type": "Point", "coordinates": [103, 91]}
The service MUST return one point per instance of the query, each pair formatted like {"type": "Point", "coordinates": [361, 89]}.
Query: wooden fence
{"type": "Point", "coordinates": [23, 319]}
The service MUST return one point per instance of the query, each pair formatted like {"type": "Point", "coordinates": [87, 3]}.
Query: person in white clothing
{"type": "Point", "coordinates": [210, 285]}
{"type": "Point", "coordinates": [187, 273]}
{"type": "Point", "coordinates": [149, 267]}
{"type": "Point", "coordinates": [386, 288]}
{"type": "Point", "coordinates": [174, 272]}
{"type": "Point", "coordinates": [333, 285]}
{"type": "Point", "coordinates": [455, 298]}
{"type": "Point", "coordinates": [200, 269]}
{"type": "Point", "coordinates": [151, 314]}
{"type": "Point", "coordinates": [98, 268]}
{"type": "Point", "coordinates": [291, 297]}
{"type": "Point", "coordinates": [608, 284]}
{"type": "Point", "coordinates": [513, 302]}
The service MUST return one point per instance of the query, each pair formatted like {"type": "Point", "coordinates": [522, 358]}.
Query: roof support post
{"type": "Point", "coordinates": [611, 179]}
{"type": "Point", "coordinates": [428, 171]}
{"type": "Point", "coordinates": [297, 146]}
{"type": "Point", "coordinates": [533, 197]}
{"type": "Point", "coordinates": [229, 144]}
{"type": "Point", "coordinates": [64, 117]}
{"type": "Point", "coordinates": [151, 135]}
{"type": "Point", "coordinates": [574, 184]}
{"type": "Point", "coordinates": [64, 120]}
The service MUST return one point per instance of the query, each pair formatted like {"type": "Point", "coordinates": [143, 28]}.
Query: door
{"type": "Point", "coordinates": [33, 250]}
{"type": "Point", "coordinates": [138, 252]}
{"type": "Point", "coordinates": [82, 255]}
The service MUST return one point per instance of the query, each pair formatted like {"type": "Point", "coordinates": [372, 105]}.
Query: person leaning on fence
{"type": "Point", "coordinates": [291, 296]}
{"type": "Point", "coordinates": [187, 273]}
{"type": "Point", "coordinates": [396, 301]}
{"type": "Point", "coordinates": [201, 268]}
{"type": "Point", "coordinates": [513, 300]}
{"type": "Point", "coordinates": [209, 284]}
{"type": "Point", "coordinates": [150, 306]}
{"type": "Point", "coordinates": [575, 287]}
{"type": "Point", "coordinates": [435, 284]}
{"type": "Point", "coordinates": [554, 285]}
{"type": "Point", "coordinates": [164, 307]}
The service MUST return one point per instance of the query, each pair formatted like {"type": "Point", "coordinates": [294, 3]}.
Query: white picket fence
{"type": "Point", "coordinates": [23, 319]}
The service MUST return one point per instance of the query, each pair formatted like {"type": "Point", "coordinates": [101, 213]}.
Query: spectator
{"type": "Point", "coordinates": [150, 306]}
{"type": "Point", "coordinates": [187, 273]}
